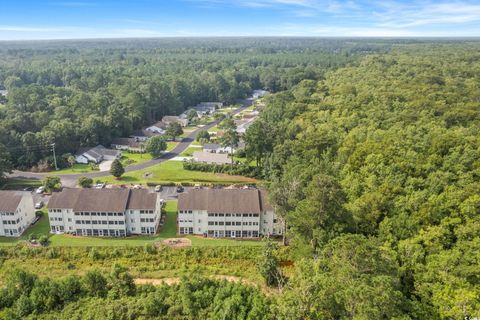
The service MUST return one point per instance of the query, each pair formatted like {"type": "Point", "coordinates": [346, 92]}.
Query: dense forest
{"type": "Point", "coordinates": [84, 93]}
{"type": "Point", "coordinates": [381, 158]}
{"type": "Point", "coordinates": [370, 151]}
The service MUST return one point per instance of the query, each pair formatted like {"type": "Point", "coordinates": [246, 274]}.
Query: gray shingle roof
{"type": "Point", "coordinates": [103, 200]}
{"type": "Point", "coordinates": [224, 200]}
{"type": "Point", "coordinates": [9, 201]}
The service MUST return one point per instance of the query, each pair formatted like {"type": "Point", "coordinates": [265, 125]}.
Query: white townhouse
{"type": "Point", "coordinates": [104, 212]}
{"type": "Point", "coordinates": [17, 212]}
{"type": "Point", "coordinates": [227, 213]}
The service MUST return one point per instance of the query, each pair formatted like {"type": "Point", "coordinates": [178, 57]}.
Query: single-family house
{"type": "Point", "coordinates": [260, 93]}
{"type": "Point", "coordinates": [96, 154]}
{"type": "Point", "coordinates": [132, 144]}
{"type": "Point", "coordinates": [217, 148]}
{"type": "Point", "coordinates": [227, 213]}
{"type": "Point", "coordinates": [211, 158]}
{"type": "Point", "coordinates": [159, 127]}
{"type": "Point", "coordinates": [3, 93]}
{"type": "Point", "coordinates": [143, 135]}
{"type": "Point", "coordinates": [104, 212]}
{"type": "Point", "coordinates": [167, 120]}
{"type": "Point", "coordinates": [243, 125]}
{"type": "Point", "coordinates": [17, 212]}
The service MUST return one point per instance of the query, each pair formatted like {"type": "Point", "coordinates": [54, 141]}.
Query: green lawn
{"type": "Point", "coordinates": [40, 228]}
{"type": "Point", "coordinates": [17, 184]}
{"type": "Point", "coordinates": [129, 159]}
{"type": "Point", "coordinates": [76, 168]}
{"type": "Point", "coordinates": [213, 129]}
{"type": "Point", "coordinates": [172, 171]}
{"type": "Point", "coordinates": [190, 150]}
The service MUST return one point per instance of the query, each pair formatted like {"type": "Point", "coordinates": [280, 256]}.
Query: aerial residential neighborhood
{"type": "Point", "coordinates": [240, 160]}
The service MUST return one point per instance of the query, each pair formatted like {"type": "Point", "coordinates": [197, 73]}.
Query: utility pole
{"type": "Point", "coordinates": [54, 156]}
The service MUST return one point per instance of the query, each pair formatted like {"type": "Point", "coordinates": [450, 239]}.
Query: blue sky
{"type": "Point", "coordinates": [63, 19]}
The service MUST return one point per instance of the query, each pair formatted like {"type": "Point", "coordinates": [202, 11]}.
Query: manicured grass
{"type": "Point", "coordinates": [18, 184]}
{"type": "Point", "coordinates": [172, 171]}
{"type": "Point", "coordinates": [40, 228]}
{"type": "Point", "coordinates": [213, 129]}
{"type": "Point", "coordinates": [76, 168]}
{"type": "Point", "coordinates": [189, 151]}
{"type": "Point", "coordinates": [171, 145]}
{"type": "Point", "coordinates": [129, 159]}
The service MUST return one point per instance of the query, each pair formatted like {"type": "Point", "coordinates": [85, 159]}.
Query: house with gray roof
{"type": "Point", "coordinates": [227, 213]}
{"type": "Point", "coordinates": [96, 154]}
{"type": "Point", "coordinates": [17, 212]}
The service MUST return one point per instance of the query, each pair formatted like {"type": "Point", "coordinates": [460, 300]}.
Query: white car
{"type": "Point", "coordinates": [158, 188]}
{"type": "Point", "coordinates": [40, 190]}
{"type": "Point", "coordinates": [39, 205]}
{"type": "Point", "coordinates": [100, 186]}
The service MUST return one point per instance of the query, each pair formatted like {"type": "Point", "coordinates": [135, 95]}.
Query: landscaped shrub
{"type": "Point", "coordinates": [236, 169]}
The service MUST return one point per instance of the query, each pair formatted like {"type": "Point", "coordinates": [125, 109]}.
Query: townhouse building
{"type": "Point", "coordinates": [227, 213]}
{"type": "Point", "coordinates": [17, 212]}
{"type": "Point", "coordinates": [104, 212]}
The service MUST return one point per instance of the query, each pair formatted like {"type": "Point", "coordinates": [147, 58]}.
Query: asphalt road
{"type": "Point", "coordinates": [70, 180]}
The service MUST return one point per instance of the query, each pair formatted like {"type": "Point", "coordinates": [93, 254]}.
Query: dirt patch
{"type": "Point", "coordinates": [177, 242]}
{"type": "Point", "coordinates": [157, 282]}
{"type": "Point", "coordinates": [176, 280]}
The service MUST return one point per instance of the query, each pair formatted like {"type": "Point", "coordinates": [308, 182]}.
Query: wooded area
{"type": "Point", "coordinates": [387, 150]}
{"type": "Point", "coordinates": [370, 152]}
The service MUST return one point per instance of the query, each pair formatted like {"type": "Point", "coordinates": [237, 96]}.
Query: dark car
{"type": "Point", "coordinates": [180, 189]}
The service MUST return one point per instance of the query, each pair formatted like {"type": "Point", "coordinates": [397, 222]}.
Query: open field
{"type": "Point", "coordinates": [172, 171]}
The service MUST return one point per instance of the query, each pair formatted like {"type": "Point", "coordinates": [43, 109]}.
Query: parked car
{"type": "Point", "coordinates": [100, 186]}
{"type": "Point", "coordinates": [158, 188]}
{"type": "Point", "coordinates": [39, 205]}
{"type": "Point", "coordinates": [40, 190]}
{"type": "Point", "coordinates": [28, 189]}
{"type": "Point", "coordinates": [180, 189]}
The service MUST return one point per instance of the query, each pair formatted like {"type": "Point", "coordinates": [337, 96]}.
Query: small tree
{"type": "Point", "coordinates": [192, 116]}
{"type": "Point", "coordinates": [156, 145]}
{"type": "Point", "coordinates": [230, 139]}
{"type": "Point", "coordinates": [203, 136]}
{"type": "Point", "coordinates": [43, 240]}
{"type": "Point", "coordinates": [269, 266]}
{"type": "Point", "coordinates": [85, 182]}
{"type": "Point", "coordinates": [52, 183]}
{"type": "Point", "coordinates": [117, 169]}
{"type": "Point", "coordinates": [174, 130]}
{"type": "Point", "coordinates": [71, 160]}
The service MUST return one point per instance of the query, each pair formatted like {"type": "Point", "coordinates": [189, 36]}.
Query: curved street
{"type": "Point", "coordinates": [70, 180]}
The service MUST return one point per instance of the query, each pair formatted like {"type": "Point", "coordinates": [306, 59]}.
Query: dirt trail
{"type": "Point", "coordinates": [176, 280]}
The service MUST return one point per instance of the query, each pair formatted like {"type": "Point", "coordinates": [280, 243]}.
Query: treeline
{"type": "Point", "coordinates": [388, 149]}
{"type": "Point", "coordinates": [84, 96]}
{"type": "Point", "coordinates": [115, 296]}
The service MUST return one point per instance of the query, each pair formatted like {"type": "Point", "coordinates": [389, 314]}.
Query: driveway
{"type": "Point", "coordinates": [70, 180]}
{"type": "Point", "coordinates": [105, 165]}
